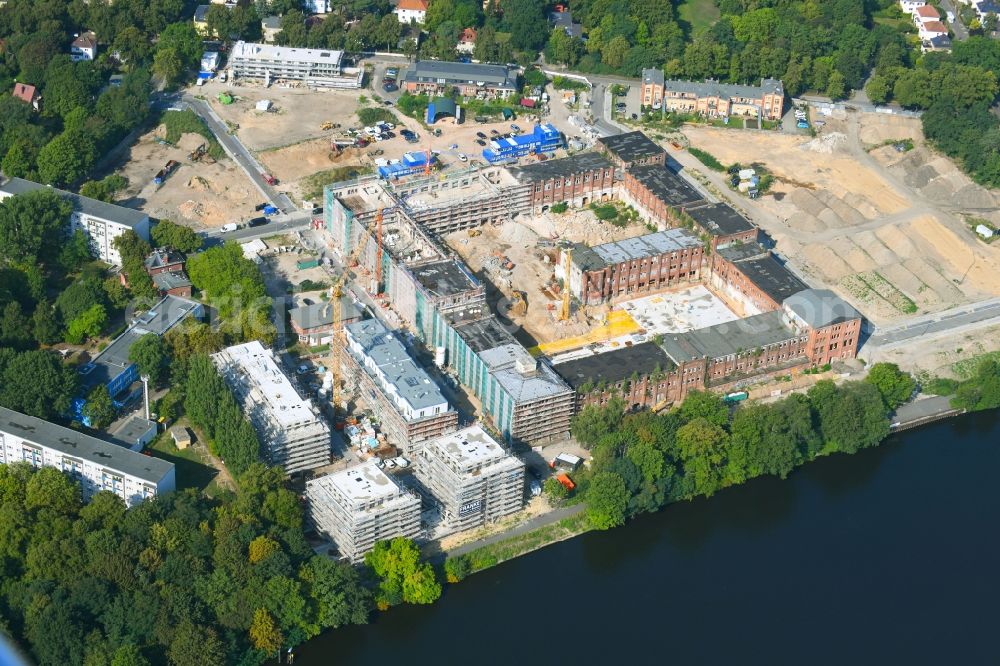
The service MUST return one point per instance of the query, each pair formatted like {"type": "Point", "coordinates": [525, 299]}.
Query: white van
{"type": "Point", "coordinates": [232, 226]}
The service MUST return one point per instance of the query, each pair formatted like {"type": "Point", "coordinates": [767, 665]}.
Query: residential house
{"type": "Point", "coordinates": [411, 11]}
{"type": "Point", "coordinates": [714, 99]}
{"type": "Point", "coordinates": [467, 41]}
{"type": "Point", "coordinates": [985, 8]}
{"type": "Point", "coordinates": [931, 29]}
{"type": "Point", "coordinates": [910, 6]}
{"type": "Point", "coordinates": [313, 324]}
{"type": "Point", "coordinates": [270, 27]}
{"type": "Point", "coordinates": [564, 20]}
{"type": "Point", "coordinates": [484, 81]}
{"type": "Point", "coordinates": [925, 13]}
{"type": "Point", "coordinates": [29, 94]}
{"type": "Point", "coordinates": [201, 20]}
{"type": "Point", "coordinates": [652, 87]}
{"type": "Point", "coordinates": [84, 47]}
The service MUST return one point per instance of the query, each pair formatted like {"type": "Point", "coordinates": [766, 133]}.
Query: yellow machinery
{"type": "Point", "coordinates": [564, 315]}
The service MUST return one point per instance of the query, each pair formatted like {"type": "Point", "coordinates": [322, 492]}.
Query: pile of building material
{"type": "Point", "coordinates": [827, 144]}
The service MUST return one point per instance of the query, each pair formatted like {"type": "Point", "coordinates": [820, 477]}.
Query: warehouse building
{"type": "Point", "coordinates": [473, 479]}
{"type": "Point", "coordinates": [434, 77]}
{"type": "Point", "coordinates": [292, 434]}
{"type": "Point", "coordinates": [360, 506]}
{"type": "Point", "coordinates": [317, 68]}
{"type": "Point", "coordinates": [632, 149]}
{"type": "Point", "coordinates": [722, 223]}
{"type": "Point", "coordinates": [659, 194]}
{"type": "Point", "coordinates": [751, 280]}
{"type": "Point", "coordinates": [97, 465]}
{"type": "Point", "coordinates": [633, 267]}
{"type": "Point", "coordinates": [100, 222]}
{"type": "Point", "coordinates": [577, 181]}
{"type": "Point", "coordinates": [409, 405]}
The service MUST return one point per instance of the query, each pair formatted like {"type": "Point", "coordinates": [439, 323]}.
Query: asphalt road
{"type": "Point", "coordinates": [957, 27]}
{"type": "Point", "coordinates": [286, 223]}
{"type": "Point", "coordinates": [238, 152]}
{"type": "Point", "coordinates": [938, 323]}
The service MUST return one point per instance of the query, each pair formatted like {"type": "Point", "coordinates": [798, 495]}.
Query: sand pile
{"type": "Point", "coordinates": [827, 144]}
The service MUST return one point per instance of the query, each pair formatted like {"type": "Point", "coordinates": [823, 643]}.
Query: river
{"type": "Point", "coordinates": [888, 556]}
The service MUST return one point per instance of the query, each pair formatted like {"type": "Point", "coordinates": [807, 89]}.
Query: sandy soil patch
{"type": "Point", "coordinates": [204, 194]}
{"type": "Point", "coordinates": [939, 357]}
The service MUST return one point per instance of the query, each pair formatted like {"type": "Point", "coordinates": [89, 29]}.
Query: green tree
{"type": "Point", "coordinates": [45, 323]}
{"type": "Point", "coordinates": [99, 410]}
{"type": "Point", "coordinates": [293, 29]}
{"type": "Point", "coordinates": [38, 384]}
{"type": "Point", "coordinates": [594, 421]}
{"type": "Point", "coordinates": [67, 158]}
{"type": "Point", "coordinates": [264, 632]}
{"type": "Point", "coordinates": [32, 227]}
{"type": "Point", "coordinates": [705, 405]}
{"type": "Point", "coordinates": [15, 327]}
{"type": "Point", "coordinates": [81, 295]}
{"type": "Point", "coordinates": [88, 324]}
{"type": "Point", "coordinates": [702, 445]}
{"type": "Point", "coordinates": [850, 417]}
{"type": "Point", "coordinates": [607, 501]}
{"type": "Point", "coordinates": [878, 89]}
{"type": "Point", "coordinates": [168, 65]}
{"type": "Point", "coordinates": [836, 87]}
{"type": "Point", "coordinates": [894, 385]}
{"type": "Point", "coordinates": [149, 355]}
{"type": "Point", "coordinates": [402, 577]}
{"type": "Point", "coordinates": [203, 391]}
{"type": "Point", "coordinates": [19, 162]}
{"type": "Point", "coordinates": [982, 391]}
{"type": "Point", "coordinates": [195, 646]}
{"type": "Point", "coordinates": [128, 655]}
{"type": "Point", "coordinates": [176, 236]}
{"type": "Point", "coordinates": [75, 252]}
{"type": "Point", "coordinates": [457, 568]}
{"type": "Point", "coordinates": [762, 443]}
{"type": "Point", "coordinates": [335, 592]}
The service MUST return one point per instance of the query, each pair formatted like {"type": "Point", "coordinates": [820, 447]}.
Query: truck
{"type": "Point", "coordinates": [163, 173]}
{"type": "Point", "coordinates": [269, 179]}
{"type": "Point", "coordinates": [307, 263]}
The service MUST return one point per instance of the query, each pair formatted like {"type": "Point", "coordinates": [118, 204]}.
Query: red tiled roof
{"type": "Point", "coordinates": [935, 26]}
{"type": "Point", "coordinates": [926, 11]}
{"type": "Point", "coordinates": [414, 5]}
{"type": "Point", "coordinates": [25, 92]}
{"type": "Point", "coordinates": [468, 35]}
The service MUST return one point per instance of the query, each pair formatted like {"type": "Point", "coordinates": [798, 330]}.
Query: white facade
{"type": "Point", "coordinates": [316, 67]}
{"type": "Point", "coordinates": [291, 432]}
{"type": "Point", "coordinates": [317, 6]}
{"type": "Point", "coordinates": [410, 10]}
{"type": "Point", "coordinates": [84, 47]}
{"type": "Point", "coordinates": [359, 506]}
{"type": "Point", "coordinates": [910, 6]}
{"type": "Point", "coordinates": [101, 222]}
{"type": "Point", "coordinates": [472, 477]}
{"type": "Point", "coordinates": [96, 464]}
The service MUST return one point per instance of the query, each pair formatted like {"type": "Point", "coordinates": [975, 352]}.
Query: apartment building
{"type": "Point", "coordinates": [473, 479]}
{"type": "Point", "coordinates": [631, 149]}
{"type": "Point", "coordinates": [357, 507]}
{"type": "Point", "coordinates": [433, 77]}
{"type": "Point", "coordinates": [633, 267]}
{"type": "Point", "coordinates": [410, 406]}
{"type": "Point", "coordinates": [577, 181]}
{"type": "Point", "coordinates": [317, 68]}
{"type": "Point", "coordinates": [101, 222]}
{"type": "Point", "coordinates": [97, 465]}
{"type": "Point", "coordinates": [292, 434]}
{"type": "Point", "coordinates": [714, 99]}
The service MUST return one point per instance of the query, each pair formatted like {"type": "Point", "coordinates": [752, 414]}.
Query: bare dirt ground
{"type": "Point", "coordinates": [882, 228]}
{"type": "Point", "coordinates": [203, 195]}
{"type": "Point", "coordinates": [529, 244]}
{"type": "Point", "coordinates": [938, 359]}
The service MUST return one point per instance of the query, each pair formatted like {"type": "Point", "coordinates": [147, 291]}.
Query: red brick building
{"type": "Point", "coordinates": [722, 223]}
{"type": "Point", "coordinates": [632, 149]}
{"type": "Point", "coordinates": [751, 279]}
{"type": "Point", "coordinates": [577, 181]}
{"type": "Point", "coordinates": [659, 194]}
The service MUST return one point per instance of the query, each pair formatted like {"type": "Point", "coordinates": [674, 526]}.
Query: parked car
{"type": "Point", "coordinates": [515, 128]}
{"type": "Point", "coordinates": [388, 102]}
{"type": "Point", "coordinates": [389, 86]}
{"type": "Point", "coordinates": [462, 157]}
{"type": "Point", "coordinates": [494, 132]}
{"type": "Point", "coordinates": [480, 142]}
{"type": "Point", "coordinates": [257, 222]}
{"type": "Point", "coordinates": [480, 135]}
{"type": "Point", "coordinates": [392, 72]}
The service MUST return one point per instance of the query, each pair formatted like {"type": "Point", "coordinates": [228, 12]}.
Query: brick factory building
{"type": "Point", "coordinates": [722, 223]}
{"type": "Point", "coordinates": [632, 149]}
{"type": "Point", "coordinates": [749, 277]}
{"type": "Point", "coordinates": [577, 181]}
{"type": "Point", "coordinates": [659, 194]}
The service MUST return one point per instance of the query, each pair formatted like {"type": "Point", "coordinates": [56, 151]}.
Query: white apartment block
{"type": "Point", "coordinates": [101, 222]}
{"type": "Point", "coordinates": [472, 477]}
{"type": "Point", "coordinates": [318, 68]}
{"type": "Point", "coordinates": [96, 464]}
{"type": "Point", "coordinates": [359, 506]}
{"type": "Point", "coordinates": [292, 434]}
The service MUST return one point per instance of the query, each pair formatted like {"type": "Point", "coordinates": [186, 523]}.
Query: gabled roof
{"type": "Point", "coordinates": [821, 307]}
{"type": "Point", "coordinates": [25, 92]}
{"type": "Point", "coordinates": [468, 35]}
{"type": "Point", "coordinates": [87, 40]}
{"type": "Point", "coordinates": [162, 257]}
{"type": "Point", "coordinates": [926, 11]}
{"type": "Point", "coordinates": [413, 5]}
{"type": "Point", "coordinates": [934, 26]}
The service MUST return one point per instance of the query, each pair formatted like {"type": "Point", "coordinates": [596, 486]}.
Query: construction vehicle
{"type": "Point", "coordinates": [564, 315]}
{"type": "Point", "coordinates": [475, 232]}
{"type": "Point", "coordinates": [327, 125]}
{"type": "Point", "coordinates": [269, 179]}
{"type": "Point", "coordinates": [163, 173]}
{"type": "Point", "coordinates": [198, 152]}
{"type": "Point", "coordinates": [519, 303]}
{"type": "Point", "coordinates": [337, 342]}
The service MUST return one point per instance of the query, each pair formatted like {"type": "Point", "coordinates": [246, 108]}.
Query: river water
{"type": "Point", "coordinates": [889, 556]}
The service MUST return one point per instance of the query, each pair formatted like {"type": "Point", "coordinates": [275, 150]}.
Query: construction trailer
{"type": "Point", "coordinates": [542, 139]}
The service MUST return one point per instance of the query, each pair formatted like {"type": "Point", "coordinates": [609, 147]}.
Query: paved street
{"type": "Point", "coordinates": [941, 322]}
{"type": "Point", "coordinates": [523, 528]}
{"type": "Point", "coordinates": [920, 410]}
{"type": "Point", "coordinates": [957, 27]}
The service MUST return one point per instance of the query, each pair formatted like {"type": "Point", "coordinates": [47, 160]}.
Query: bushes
{"type": "Point", "coordinates": [707, 159]}
{"type": "Point", "coordinates": [187, 121]}
{"type": "Point", "coordinates": [559, 208]}
{"type": "Point", "coordinates": [372, 115]}
{"type": "Point", "coordinates": [982, 390]}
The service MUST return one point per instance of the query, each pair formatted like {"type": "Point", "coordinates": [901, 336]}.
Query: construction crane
{"type": "Point", "coordinates": [336, 341]}
{"type": "Point", "coordinates": [564, 315]}
{"type": "Point", "coordinates": [378, 253]}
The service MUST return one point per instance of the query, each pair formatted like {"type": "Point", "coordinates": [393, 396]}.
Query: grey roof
{"type": "Point", "coordinates": [821, 307]}
{"type": "Point", "coordinates": [483, 334]}
{"type": "Point", "coordinates": [737, 252]}
{"type": "Point", "coordinates": [200, 12]}
{"type": "Point", "coordinates": [84, 447]}
{"type": "Point", "coordinates": [444, 278]}
{"type": "Point", "coordinates": [565, 21]}
{"type": "Point", "coordinates": [114, 359]}
{"type": "Point", "coordinates": [435, 71]}
{"type": "Point", "coordinates": [772, 277]}
{"type": "Point", "coordinates": [106, 211]}
{"type": "Point", "coordinates": [654, 76]}
{"type": "Point", "coordinates": [271, 22]}
{"type": "Point", "coordinates": [523, 378]}
{"type": "Point", "coordinates": [729, 338]}
{"type": "Point", "coordinates": [388, 353]}
{"type": "Point", "coordinates": [650, 245]}
{"type": "Point", "coordinates": [724, 90]}
{"type": "Point", "coordinates": [630, 146]}
{"type": "Point", "coordinates": [719, 219]}
{"type": "Point", "coordinates": [321, 314]}
{"type": "Point", "coordinates": [615, 365]}
{"type": "Point", "coordinates": [560, 168]}
{"type": "Point", "coordinates": [132, 429]}
{"type": "Point", "coordinates": [167, 281]}
{"type": "Point", "coordinates": [666, 185]}
{"type": "Point", "coordinates": [163, 256]}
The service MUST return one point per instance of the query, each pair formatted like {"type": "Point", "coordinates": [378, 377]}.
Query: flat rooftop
{"type": "Point", "coordinates": [667, 185]}
{"type": "Point", "coordinates": [540, 382]}
{"type": "Point", "coordinates": [445, 278]}
{"type": "Point", "coordinates": [106, 211]}
{"type": "Point", "coordinates": [286, 54]}
{"type": "Point", "coordinates": [74, 444]}
{"type": "Point", "coordinates": [485, 333]}
{"type": "Point", "coordinates": [614, 366]}
{"type": "Point", "coordinates": [467, 448]}
{"type": "Point", "coordinates": [772, 277]}
{"type": "Point", "coordinates": [630, 146]}
{"type": "Point", "coordinates": [132, 429]}
{"type": "Point", "coordinates": [821, 307]}
{"type": "Point", "coordinates": [362, 482]}
{"type": "Point", "coordinates": [649, 245]}
{"type": "Point", "coordinates": [410, 381]}
{"type": "Point", "coordinates": [252, 366]}
{"type": "Point", "coordinates": [560, 168]}
{"type": "Point", "coordinates": [737, 252]}
{"type": "Point", "coordinates": [719, 219]}
{"type": "Point", "coordinates": [436, 71]}
{"type": "Point", "coordinates": [729, 339]}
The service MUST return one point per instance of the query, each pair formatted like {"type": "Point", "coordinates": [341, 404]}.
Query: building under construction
{"type": "Point", "coordinates": [292, 434]}
{"type": "Point", "coordinates": [472, 477]}
{"type": "Point", "coordinates": [359, 506]}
